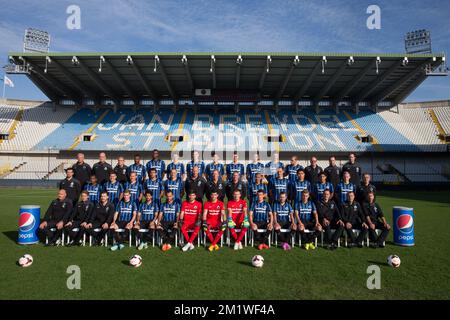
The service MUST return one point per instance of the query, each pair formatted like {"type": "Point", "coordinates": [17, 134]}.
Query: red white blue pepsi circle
{"type": "Point", "coordinates": [403, 226]}
{"type": "Point", "coordinates": [29, 219]}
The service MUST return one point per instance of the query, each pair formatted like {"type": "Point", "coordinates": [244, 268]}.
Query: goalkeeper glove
{"type": "Point", "coordinates": [224, 226]}
{"type": "Point", "coordinates": [246, 224]}
{"type": "Point", "coordinates": [205, 226]}
{"type": "Point", "coordinates": [198, 223]}
{"type": "Point", "coordinates": [231, 223]}
{"type": "Point", "coordinates": [180, 222]}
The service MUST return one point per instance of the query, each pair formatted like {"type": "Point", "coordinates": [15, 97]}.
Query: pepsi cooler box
{"type": "Point", "coordinates": [29, 220]}
{"type": "Point", "coordinates": [403, 226]}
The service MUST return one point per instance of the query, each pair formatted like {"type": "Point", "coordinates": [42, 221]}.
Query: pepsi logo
{"type": "Point", "coordinates": [405, 223]}
{"type": "Point", "coordinates": [26, 222]}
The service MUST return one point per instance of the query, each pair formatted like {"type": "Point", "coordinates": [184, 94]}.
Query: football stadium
{"type": "Point", "coordinates": [224, 176]}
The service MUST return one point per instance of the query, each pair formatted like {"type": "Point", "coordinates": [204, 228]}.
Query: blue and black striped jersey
{"type": "Point", "coordinates": [305, 210]}
{"type": "Point", "coordinates": [176, 187]}
{"type": "Point", "coordinates": [139, 169]}
{"type": "Point", "coordinates": [94, 192]}
{"type": "Point", "coordinates": [253, 169]}
{"type": "Point", "coordinates": [253, 189]}
{"type": "Point", "coordinates": [159, 165]}
{"type": "Point", "coordinates": [155, 187]}
{"type": "Point", "coordinates": [114, 190]}
{"type": "Point", "coordinates": [170, 211]}
{"type": "Point", "coordinates": [271, 168]}
{"type": "Point", "coordinates": [177, 166]}
{"type": "Point", "coordinates": [148, 211]}
{"type": "Point", "coordinates": [320, 188]}
{"type": "Point", "coordinates": [283, 211]}
{"type": "Point", "coordinates": [261, 211]}
{"type": "Point", "coordinates": [135, 190]}
{"type": "Point", "coordinates": [234, 167]}
{"type": "Point", "coordinates": [277, 186]}
{"type": "Point", "coordinates": [190, 167]}
{"type": "Point", "coordinates": [297, 188]}
{"type": "Point", "coordinates": [210, 168]}
{"type": "Point", "coordinates": [291, 171]}
{"type": "Point", "coordinates": [126, 210]}
{"type": "Point", "coordinates": [342, 191]}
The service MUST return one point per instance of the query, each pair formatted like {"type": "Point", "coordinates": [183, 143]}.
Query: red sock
{"type": "Point", "coordinates": [185, 233]}
{"type": "Point", "coordinates": [217, 239]}
{"type": "Point", "coordinates": [241, 234]}
{"type": "Point", "coordinates": [194, 234]}
{"type": "Point", "coordinates": [233, 234]}
{"type": "Point", "coordinates": [209, 235]}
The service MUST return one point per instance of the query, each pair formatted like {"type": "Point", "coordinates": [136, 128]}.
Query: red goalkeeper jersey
{"type": "Point", "coordinates": [237, 210]}
{"type": "Point", "coordinates": [214, 211]}
{"type": "Point", "coordinates": [191, 211]}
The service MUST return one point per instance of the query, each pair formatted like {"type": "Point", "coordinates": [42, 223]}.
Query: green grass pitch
{"type": "Point", "coordinates": [226, 274]}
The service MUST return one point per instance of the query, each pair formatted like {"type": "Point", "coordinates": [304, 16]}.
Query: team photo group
{"type": "Point", "coordinates": [289, 203]}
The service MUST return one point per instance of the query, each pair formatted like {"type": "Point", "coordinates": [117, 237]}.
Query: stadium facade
{"type": "Point", "coordinates": [290, 103]}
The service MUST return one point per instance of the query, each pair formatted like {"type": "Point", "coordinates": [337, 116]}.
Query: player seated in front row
{"type": "Point", "coordinates": [98, 223]}
{"type": "Point", "coordinates": [75, 227]}
{"type": "Point", "coordinates": [237, 219]}
{"type": "Point", "coordinates": [147, 219]}
{"type": "Point", "coordinates": [283, 217]}
{"type": "Point", "coordinates": [214, 219]}
{"type": "Point", "coordinates": [353, 217]}
{"type": "Point", "coordinates": [308, 220]}
{"type": "Point", "coordinates": [56, 216]}
{"type": "Point", "coordinates": [330, 219]}
{"type": "Point", "coordinates": [190, 220]}
{"type": "Point", "coordinates": [376, 220]}
{"type": "Point", "coordinates": [168, 221]}
{"type": "Point", "coordinates": [261, 218]}
{"type": "Point", "coordinates": [124, 218]}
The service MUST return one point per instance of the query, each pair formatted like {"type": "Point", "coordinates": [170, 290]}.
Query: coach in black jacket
{"type": "Point", "coordinates": [354, 169]}
{"type": "Point", "coordinates": [75, 227]}
{"type": "Point", "coordinates": [197, 184]}
{"type": "Point", "coordinates": [330, 218]}
{"type": "Point", "coordinates": [71, 185]}
{"type": "Point", "coordinates": [353, 217]}
{"type": "Point", "coordinates": [236, 184]}
{"type": "Point", "coordinates": [216, 184]}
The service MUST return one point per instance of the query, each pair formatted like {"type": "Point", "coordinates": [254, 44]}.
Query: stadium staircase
{"type": "Point", "coordinates": [6, 170]}
{"type": "Point", "coordinates": [438, 125]}
{"type": "Point", "coordinates": [57, 169]}
{"type": "Point", "coordinates": [389, 169]}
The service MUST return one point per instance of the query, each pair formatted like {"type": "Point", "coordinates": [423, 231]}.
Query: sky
{"type": "Point", "coordinates": [212, 25]}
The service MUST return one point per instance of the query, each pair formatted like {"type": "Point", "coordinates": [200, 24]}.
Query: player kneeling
{"type": "Point", "coordinates": [237, 219]}
{"type": "Point", "coordinates": [308, 220]}
{"type": "Point", "coordinates": [168, 222]}
{"type": "Point", "coordinates": [261, 218]}
{"type": "Point", "coordinates": [147, 219]}
{"type": "Point", "coordinates": [124, 218]}
{"type": "Point", "coordinates": [214, 220]}
{"type": "Point", "coordinates": [190, 220]}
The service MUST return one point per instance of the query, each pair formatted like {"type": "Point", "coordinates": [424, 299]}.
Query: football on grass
{"type": "Point", "coordinates": [25, 261]}
{"type": "Point", "coordinates": [136, 261]}
{"type": "Point", "coordinates": [393, 261]}
{"type": "Point", "coordinates": [257, 261]}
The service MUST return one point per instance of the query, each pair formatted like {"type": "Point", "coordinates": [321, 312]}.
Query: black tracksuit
{"type": "Point", "coordinates": [330, 211]}
{"type": "Point", "coordinates": [121, 173]}
{"type": "Point", "coordinates": [231, 187]}
{"type": "Point", "coordinates": [362, 193]}
{"type": "Point", "coordinates": [82, 172]}
{"type": "Point", "coordinates": [312, 174]}
{"type": "Point", "coordinates": [218, 187]}
{"type": "Point", "coordinates": [72, 187]}
{"type": "Point", "coordinates": [333, 175]}
{"type": "Point", "coordinates": [101, 214]}
{"type": "Point", "coordinates": [102, 171]}
{"type": "Point", "coordinates": [197, 185]}
{"type": "Point", "coordinates": [81, 213]}
{"type": "Point", "coordinates": [353, 213]}
{"type": "Point", "coordinates": [57, 211]}
{"type": "Point", "coordinates": [355, 173]}
{"type": "Point", "coordinates": [374, 212]}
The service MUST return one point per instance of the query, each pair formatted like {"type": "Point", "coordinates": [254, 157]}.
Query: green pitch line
{"type": "Point", "coordinates": [226, 274]}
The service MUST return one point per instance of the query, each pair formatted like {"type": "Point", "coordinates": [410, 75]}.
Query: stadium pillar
{"type": "Point", "coordinates": [317, 108]}
{"type": "Point", "coordinates": [336, 108]}
{"type": "Point", "coordinates": [357, 108]}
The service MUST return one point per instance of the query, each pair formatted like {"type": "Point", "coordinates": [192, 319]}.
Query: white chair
{"type": "Point", "coordinates": [258, 231]}
{"type": "Point", "coordinates": [182, 240]}
{"type": "Point", "coordinates": [142, 231]}
{"type": "Point", "coordinates": [229, 237]}
{"type": "Point", "coordinates": [356, 232]}
{"type": "Point", "coordinates": [322, 233]}
{"type": "Point", "coordinates": [129, 236]}
{"type": "Point", "coordinates": [61, 239]}
{"type": "Point", "coordinates": [284, 231]}
{"type": "Point", "coordinates": [307, 232]}
{"type": "Point", "coordinates": [105, 239]}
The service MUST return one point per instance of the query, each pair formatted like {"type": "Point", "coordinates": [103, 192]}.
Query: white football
{"type": "Point", "coordinates": [257, 261]}
{"type": "Point", "coordinates": [26, 260]}
{"type": "Point", "coordinates": [394, 261]}
{"type": "Point", "coordinates": [136, 261]}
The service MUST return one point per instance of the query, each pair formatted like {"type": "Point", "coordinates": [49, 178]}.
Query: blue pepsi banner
{"type": "Point", "coordinates": [29, 219]}
{"type": "Point", "coordinates": [403, 226]}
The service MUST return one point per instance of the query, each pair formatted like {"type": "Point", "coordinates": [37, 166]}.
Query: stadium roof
{"type": "Point", "coordinates": [237, 76]}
